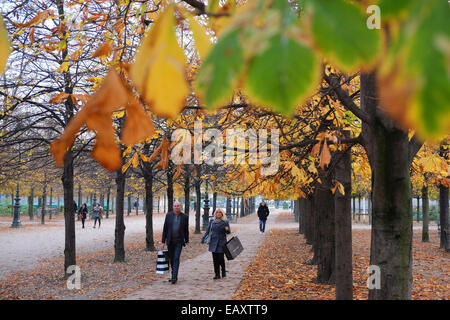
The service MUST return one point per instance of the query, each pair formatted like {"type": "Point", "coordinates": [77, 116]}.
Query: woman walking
{"type": "Point", "coordinates": [82, 213]}
{"type": "Point", "coordinates": [98, 215]}
{"type": "Point", "coordinates": [217, 230]}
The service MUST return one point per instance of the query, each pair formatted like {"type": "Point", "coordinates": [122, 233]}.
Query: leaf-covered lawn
{"type": "Point", "coordinates": [279, 270]}
{"type": "Point", "coordinates": [100, 277]}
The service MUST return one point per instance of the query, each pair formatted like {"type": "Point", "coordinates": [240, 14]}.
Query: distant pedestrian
{"type": "Point", "coordinates": [98, 215]}
{"type": "Point", "coordinates": [82, 213]}
{"type": "Point", "coordinates": [175, 235]}
{"type": "Point", "coordinates": [217, 231]}
{"type": "Point", "coordinates": [263, 213]}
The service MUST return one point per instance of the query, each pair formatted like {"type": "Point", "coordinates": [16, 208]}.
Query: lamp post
{"type": "Point", "coordinates": [228, 208]}
{"type": "Point", "coordinates": [206, 209]}
{"type": "Point", "coordinates": [16, 221]}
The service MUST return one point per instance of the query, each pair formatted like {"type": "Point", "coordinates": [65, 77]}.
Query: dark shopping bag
{"type": "Point", "coordinates": [232, 248]}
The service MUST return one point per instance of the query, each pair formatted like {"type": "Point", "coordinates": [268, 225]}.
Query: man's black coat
{"type": "Point", "coordinates": [167, 229]}
{"type": "Point", "coordinates": [263, 212]}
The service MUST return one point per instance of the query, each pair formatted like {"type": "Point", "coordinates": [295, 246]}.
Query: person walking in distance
{"type": "Point", "coordinates": [263, 213]}
{"type": "Point", "coordinates": [176, 236]}
{"type": "Point", "coordinates": [98, 215]}
{"type": "Point", "coordinates": [82, 213]}
{"type": "Point", "coordinates": [217, 231]}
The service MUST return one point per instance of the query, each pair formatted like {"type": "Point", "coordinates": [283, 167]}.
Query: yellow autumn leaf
{"type": "Point", "coordinates": [64, 67]}
{"type": "Point", "coordinates": [5, 47]}
{"type": "Point", "coordinates": [159, 70]}
{"type": "Point", "coordinates": [202, 40]}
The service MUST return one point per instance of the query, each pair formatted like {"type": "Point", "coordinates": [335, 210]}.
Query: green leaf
{"type": "Point", "coordinates": [283, 74]}
{"type": "Point", "coordinates": [219, 72]}
{"type": "Point", "coordinates": [288, 15]}
{"type": "Point", "coordinates": [394, 9]}
{"type": "Point", "coordinates": [340, 31]}
{"type": "Point", "coordinates": [417, 94]}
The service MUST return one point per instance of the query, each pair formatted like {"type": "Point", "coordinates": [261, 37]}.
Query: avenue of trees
{"type": "Point", "coordinates": [359, 111]}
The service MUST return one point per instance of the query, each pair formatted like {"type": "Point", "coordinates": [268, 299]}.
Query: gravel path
{"type": "Point", "coordinates": [21, 249]}
{"type": "Point", "coordinates": [195, 277]}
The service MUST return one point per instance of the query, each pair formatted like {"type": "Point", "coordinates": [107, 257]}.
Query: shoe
{"type": "Point", "coordinates": [261, 232]}
{"type": "Point", "coordinates": [216, 277]}
{"type": "Point", "coordinates": [94, 227]}
{"type": "Point", "coordinates": [173, 281]}
{"type": "Point", "coordinates": [224, 274]}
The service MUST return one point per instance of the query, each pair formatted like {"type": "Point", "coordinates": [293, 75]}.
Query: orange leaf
{"type": "Point", "coordinates": [315, 149]}
{"type": "Point", "coordinates": [60, 97]}
{"type": "Point", "coordinates": [96, 114]}
{"type": "Point", "coordinates": [325, 156]}
{"type": "Point", "coordinates": [103, 50]}
{"type": "Point", "coordinates": [138, 125]}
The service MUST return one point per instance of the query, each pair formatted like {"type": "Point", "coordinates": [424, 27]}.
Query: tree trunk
{"type": "Point", "coordinates": [51, 203]}
{"type": "Point", "coordinates": [325, 232]}
{"type": "Point", "coordinates": [343, 228]}
{"type": "Point", "coordinates": [354, 209]}
{"type": "Point", "coordinates": [359, 208]}
{"type": "Point", "coordinates": [187, 190]}
{"type": "Point", "coordinates": [309, 212]}
{"type": "Point", "coordinates": [443, 217]}
{"type": "Point", "coordinates": [149, 241]}
{"type": "Point", "coordinates": [30, 204]}
{"type": "Point", "coordinates": [44, 201]}
{"type": "Point", "coordinates": [129, 204]}
{"type": "Point", "coordinates": [302, 215]}
{"type": "Point", "coordinates": [418, 209]}
{"type": "Point", "coordinates": [119, 246]}
{"type": "Point", "coordinates": [108, 195]}
{"type": "Point", "coordinates": [69, 213]}
{"type": "Point", "coordinates": [443, 207]}
{"type": "Point", "coordinates": [79, 199]}
{"type": "Point", "coordinates": [198, 199]}
{"type": "Point", "coordinates": [391, 240]}
{"type": "Point", "coordinates": [137, 205]}
{"type": "Point", "coordinates": [170, 187]}
{"type": "Point", "coordinates": [425, 213]}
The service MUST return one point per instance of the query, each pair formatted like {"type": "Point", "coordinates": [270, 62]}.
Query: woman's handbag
{"type": "Point", "coordinates": [207, 239]}
{"type": "Point", "coordinates": [162, 262]}
{"type": "Point", "coordinates": [232, 248]}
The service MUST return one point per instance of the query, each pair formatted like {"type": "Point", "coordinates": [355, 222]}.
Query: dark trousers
{"type": "Point", "coordinates": [99, 221]}
{"type": "Point", "coordinates": [174, 250]}
{"type": "Point", "coordinates": [82, 221]}
{"type": "Point", "coordinates": [262, 225]}
{"type": "Point", "coordinates": [219, 262]}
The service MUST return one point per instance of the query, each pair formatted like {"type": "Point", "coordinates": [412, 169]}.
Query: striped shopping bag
{"type": "Point", "coordinates": [162, 263]}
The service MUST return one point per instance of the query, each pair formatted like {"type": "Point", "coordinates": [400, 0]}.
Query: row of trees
{"type": "Point", "coordinates": [340, 133]}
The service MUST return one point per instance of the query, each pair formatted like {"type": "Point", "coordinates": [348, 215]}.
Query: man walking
{"type": "Point", "coordinates": [263, 213]}
{"type": "Point", "coordinates": [175, 235]}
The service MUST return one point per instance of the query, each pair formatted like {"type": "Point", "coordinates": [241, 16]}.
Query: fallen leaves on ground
{"type": "Point", "coordinates": [100, 277]}
{"type": "Point", "coordinates": [279, 270]}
